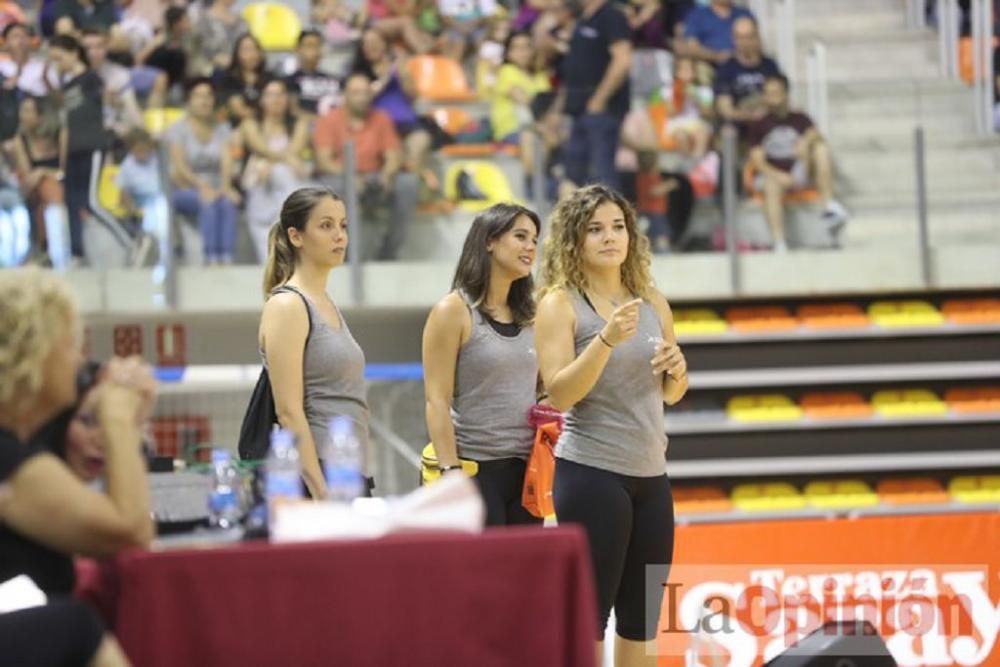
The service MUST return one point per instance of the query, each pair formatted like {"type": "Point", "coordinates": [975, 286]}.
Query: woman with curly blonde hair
{"type": "Point", "coordinates": [48, 514]}
{"type": "Point", "coordinates": [609, 358]}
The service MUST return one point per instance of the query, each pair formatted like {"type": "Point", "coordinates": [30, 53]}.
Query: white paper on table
{"type": "Point", "coordinates": [452, 503]}
{"type": "Point", "coordinates": [20, 593]}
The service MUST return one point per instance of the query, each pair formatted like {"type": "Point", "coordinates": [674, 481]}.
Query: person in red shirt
{"type": "Point", "coordinates": [788, 153]}
{"type": "Point", "coordinates": [378, 160]}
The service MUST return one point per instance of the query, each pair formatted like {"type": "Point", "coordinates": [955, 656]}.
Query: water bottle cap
{"type": "Point", "coordinates": [221, 456]}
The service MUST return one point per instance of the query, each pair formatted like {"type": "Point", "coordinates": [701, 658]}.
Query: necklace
{"type": "Point", "coordinates": [614, 303]}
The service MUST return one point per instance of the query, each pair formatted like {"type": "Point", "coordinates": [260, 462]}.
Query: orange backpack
{"type": "Point", "coordinates": [537, 493]}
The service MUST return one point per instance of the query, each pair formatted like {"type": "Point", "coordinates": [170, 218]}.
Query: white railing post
{"type": "Point", "coordinates": [978, 30]}
{"type": "Point", "coordinates": [787, 49]}
{"type": "Point", "coordinates": [823, 88]}
{"type": "Point", "coordinates": [818, 88]}
{"type": "Point", "coordinates": [947, 18]}
{"type": "Point", "coordinates": [983, 54]}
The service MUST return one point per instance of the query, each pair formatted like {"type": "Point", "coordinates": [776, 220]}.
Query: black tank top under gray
{"type": "Point", "coordinates": [495, 380]}
{"type": "Point", "coordinates": [333, 381]}
{"type": "Point", "coordinates": [619, 425]}
{"type": "Point", "coordinates": [47, 163]}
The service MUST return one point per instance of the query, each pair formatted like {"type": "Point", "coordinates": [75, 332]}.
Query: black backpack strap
{"type": "Point", "coordinates": [305, 302]}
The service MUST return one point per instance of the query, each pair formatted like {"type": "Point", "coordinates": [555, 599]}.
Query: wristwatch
{"type": "Point", "coordinates": [445, 469]}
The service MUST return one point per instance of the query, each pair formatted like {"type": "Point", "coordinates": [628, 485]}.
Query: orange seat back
{"type": "Point", "coordinates": [973, 399]}
{"type": "Point", "coordinates": [440, 79]}
{"type": "Point", "coordinates": [760, 318]}
{"type": "Point", "coordinates": [835, 405]}
{"type": "Point", "coordinates": [804, 196]}
{"type": "Point", "coordinates": [911, 490]}
{"type": "Point", "coordinates": [972, 311]}
{"type": "Point", "coordinates": [830, 315]}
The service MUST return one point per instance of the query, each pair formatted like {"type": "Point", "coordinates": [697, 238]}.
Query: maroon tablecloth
{"type": "Point", "coordinates": [510, 597]}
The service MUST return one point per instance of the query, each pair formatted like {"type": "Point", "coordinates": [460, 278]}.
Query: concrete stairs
{"type": "Point", "coordinates": [885, 80]}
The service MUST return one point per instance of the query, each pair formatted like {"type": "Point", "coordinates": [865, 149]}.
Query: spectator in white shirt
{"type": "Point", "coordinates": [24, 66]}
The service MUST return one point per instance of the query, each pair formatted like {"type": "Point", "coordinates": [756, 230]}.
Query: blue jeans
{"type": "Point", "coordinates": [216, 219]}
{"type": "Point", "coordinates": [590, 153]}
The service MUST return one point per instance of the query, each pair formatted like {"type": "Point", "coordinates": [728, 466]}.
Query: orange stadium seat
{"type": "Point", "coordinates": [700, 499]}
{"type": "Point", "coordinates": [835, 405]}
{"type": "Point", "coordinates": [832, 316]}
{"type": "Point", "coordinates": [972, 311]}
{"type": "Point", "coordinates": [973, 399]}
{"type": "Point", "coordinates": [804, 196]}
{"type": "Point", "coordinates": [440, 79]}
{"type": "Point", "coordinates": [761, 318]}
{"type": "Point", "coordinates": [911, 491]}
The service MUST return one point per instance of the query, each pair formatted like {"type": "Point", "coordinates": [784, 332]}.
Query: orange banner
{"type": "Point", "coordinates": [741, 593]}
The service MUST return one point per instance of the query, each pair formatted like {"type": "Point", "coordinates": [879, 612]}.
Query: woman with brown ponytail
{"type": "Point", "coordinates": [316, 367]}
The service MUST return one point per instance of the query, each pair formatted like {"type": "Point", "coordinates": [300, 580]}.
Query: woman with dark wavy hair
{"type": "Point", "coordinates": [609, 359]}
{"type": "Point", "coordinates": [480, 370]}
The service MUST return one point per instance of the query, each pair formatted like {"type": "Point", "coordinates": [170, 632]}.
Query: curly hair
{"type": "Point", "coordinates": [562, 261]}
{"type": "Point", "coordinates": [35, 309]}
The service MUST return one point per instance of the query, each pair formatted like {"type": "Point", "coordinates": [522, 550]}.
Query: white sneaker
{"type": "Point", "coordinates": [835, 217]}
{"type": "Point", "coordinates": [780, 247]}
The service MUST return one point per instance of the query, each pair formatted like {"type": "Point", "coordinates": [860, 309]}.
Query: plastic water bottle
{"type": "Point", "coordinates": [343, 462]}
{"type": "Point", "coordinates": [225, 506]}
{"type": "Point", "coordinates": [283, 479]}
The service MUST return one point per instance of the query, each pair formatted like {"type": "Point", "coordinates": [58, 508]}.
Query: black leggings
{"type": "Point", "coordinates": [61, 633]}
{"type": "Point", "coordinates": [500, 482]}
{"type": "Point", "coordinates": [77, 186]}
{"type": "Point", "coordinates": [629, 523]}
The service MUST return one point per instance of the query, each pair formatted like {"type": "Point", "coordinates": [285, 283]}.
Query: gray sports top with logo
{"type": "Point", "coordinates": [495, 380]}
{"type": "Point", "coordinates": [619, 425]}
{"type": "Point", "coordinates": [333, 382]}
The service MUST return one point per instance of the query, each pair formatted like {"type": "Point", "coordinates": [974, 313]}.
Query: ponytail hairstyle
{"type": "Point", "coordinates": [282, 256]}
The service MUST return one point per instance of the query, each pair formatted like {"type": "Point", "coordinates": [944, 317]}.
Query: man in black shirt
{"type": "Point", "coordinates": [739, 82]}
{"type": "Point", "coordinates": [595, 83]}
{"type": "Point", "coordinates": [315, 91]}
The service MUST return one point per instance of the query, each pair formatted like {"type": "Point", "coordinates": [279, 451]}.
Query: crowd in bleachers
{"type": "Point", "coordinates": [585, 90]}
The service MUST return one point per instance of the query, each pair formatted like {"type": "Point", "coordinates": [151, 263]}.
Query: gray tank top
{"type": "Point", "coordinates": [333, 378]}
{"type": "Point", "coordinates": [495, 380]}
{"type": "Point", "coordinates": [619, 425]}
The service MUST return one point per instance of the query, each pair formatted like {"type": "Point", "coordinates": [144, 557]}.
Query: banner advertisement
{"type": "Point", "coordinates": [741, 593]}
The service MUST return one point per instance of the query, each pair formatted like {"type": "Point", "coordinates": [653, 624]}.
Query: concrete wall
{"type": "Point", "coordinates": [681, 277]}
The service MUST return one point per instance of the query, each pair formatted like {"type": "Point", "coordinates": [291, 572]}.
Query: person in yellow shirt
{"type": "Point", "coordinates": [518, 81]}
